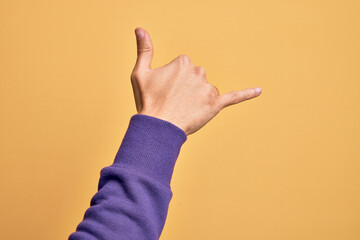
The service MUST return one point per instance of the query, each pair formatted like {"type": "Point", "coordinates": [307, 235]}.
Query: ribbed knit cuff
{"type": "Point", "coordinates": [150, 147]}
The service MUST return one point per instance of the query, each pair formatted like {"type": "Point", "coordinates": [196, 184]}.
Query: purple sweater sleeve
{"type": "Point", "coordinates": [134, 192]}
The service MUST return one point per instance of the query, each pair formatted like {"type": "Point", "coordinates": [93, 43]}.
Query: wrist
{"type": "Point", "coordinates": [151, 147]}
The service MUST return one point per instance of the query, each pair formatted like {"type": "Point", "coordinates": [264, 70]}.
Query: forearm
{"type": "Point", "coordinates": [134, 192]}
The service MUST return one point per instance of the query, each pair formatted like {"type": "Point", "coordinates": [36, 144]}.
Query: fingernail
{"type": "Point", "coordinates": [139, 33]}
{"type": "Point", "coordinates": [258, 90]}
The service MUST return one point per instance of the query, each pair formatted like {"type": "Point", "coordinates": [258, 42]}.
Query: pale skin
{"type": "Point", "coordinates": [178, 92]}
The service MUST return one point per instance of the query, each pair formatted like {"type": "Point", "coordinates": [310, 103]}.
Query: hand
{"type": "Point", "coordinates": [178, 92]}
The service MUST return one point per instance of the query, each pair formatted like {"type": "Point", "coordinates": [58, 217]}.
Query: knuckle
{"type": "Point", "coordinates": [200, 71]}
{"type": "Point", "coordinates": [134, 74]}
{"type": "Point", "coordinates": [184, 59]}
{"type": "Point", "coordinates": [144, 50]}
{"type": "Point", "coordinates": [235, 97]}
{"type": "Point", "coordinates": [248, 94]}
{"type": "Point", "coordinates": [213, 95]}
{"type": "Point", "coordinates": [245, 94]}
{"type": "Point", "coordinates": [214, 90]}
{"type": "Point", "coordinates": [184, 56]}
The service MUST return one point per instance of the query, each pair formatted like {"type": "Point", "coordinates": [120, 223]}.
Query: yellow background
{"type": "Point", "coordinates": [285, 165]}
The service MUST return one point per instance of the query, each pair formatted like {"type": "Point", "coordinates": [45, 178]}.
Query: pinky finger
{"type": "Point", "coordinates": [235, 97]}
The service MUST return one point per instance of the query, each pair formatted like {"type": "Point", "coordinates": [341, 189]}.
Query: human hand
{"type": "Point", "coordinates": [178, 92]}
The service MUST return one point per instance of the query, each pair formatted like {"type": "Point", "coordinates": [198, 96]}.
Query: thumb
{"type": "Point", "coordinates": [144, 49]}
{"type": "Point", "coordinates": [235, 97]}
